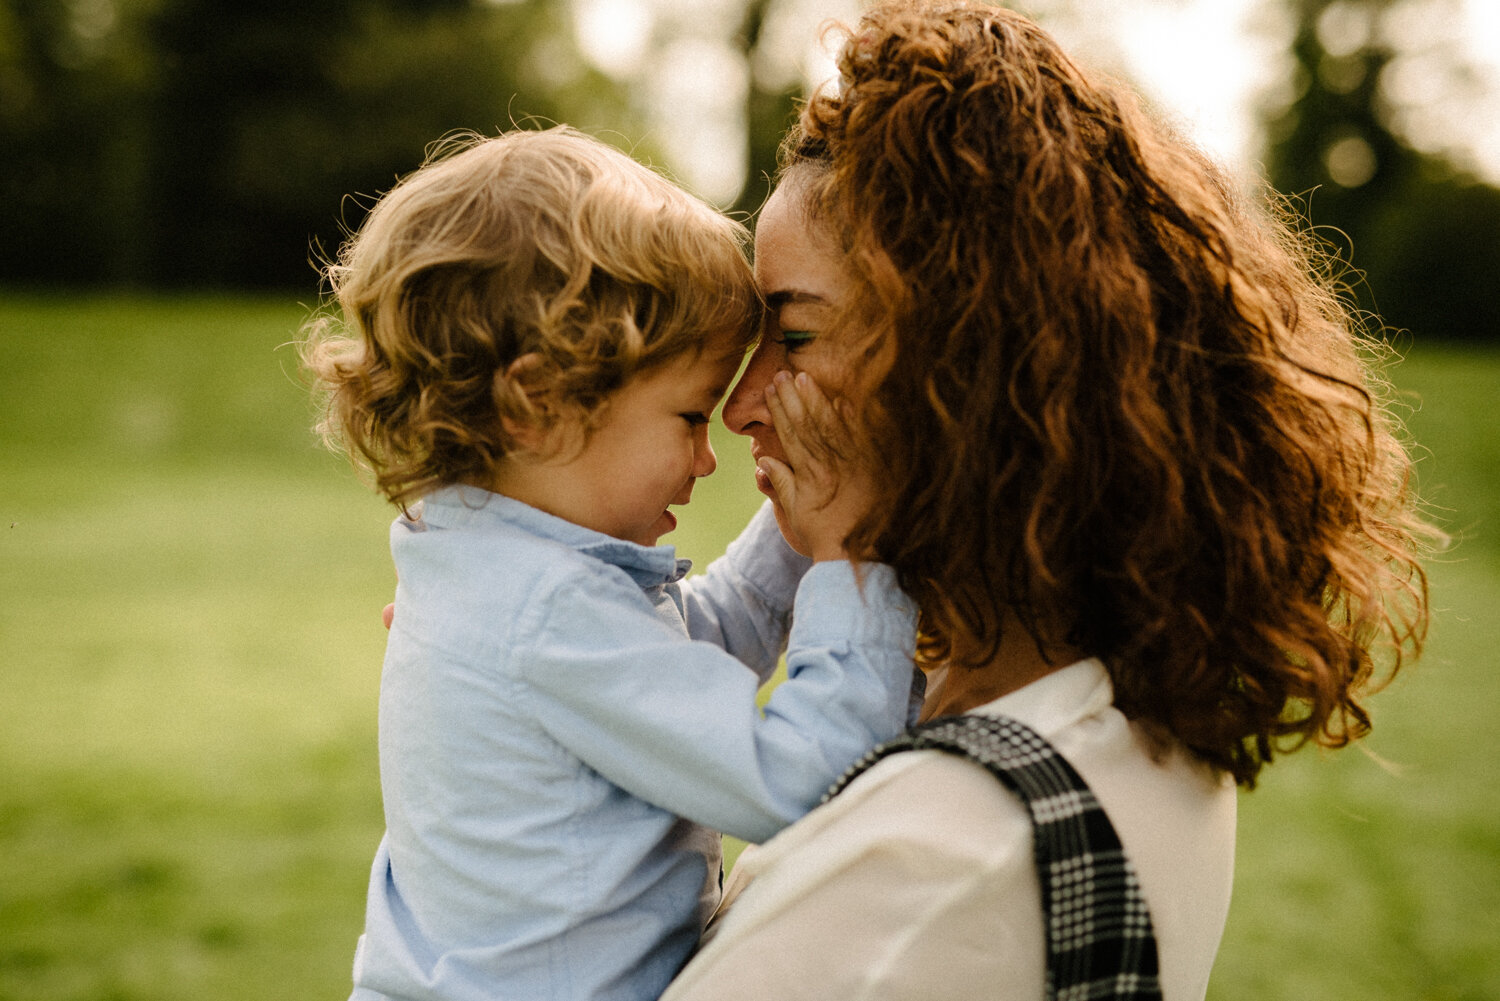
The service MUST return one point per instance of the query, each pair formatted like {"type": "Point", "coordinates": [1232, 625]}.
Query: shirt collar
{"type": "Point", "coordinates": [648, 566]}
{"type": "Point", "coordinates": [1056, 700]}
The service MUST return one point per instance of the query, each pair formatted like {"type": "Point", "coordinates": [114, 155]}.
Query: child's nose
{"type": "Point", "coordinates": [704, 460]}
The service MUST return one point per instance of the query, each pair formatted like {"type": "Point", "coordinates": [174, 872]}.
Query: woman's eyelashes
{"type": "Point", "coordinates": [794, 339]}
{"type": "Point", "coordinates": [695, 418]}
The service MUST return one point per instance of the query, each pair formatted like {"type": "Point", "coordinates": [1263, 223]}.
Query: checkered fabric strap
{"type": "Point", "coordinates": [1099, 938]}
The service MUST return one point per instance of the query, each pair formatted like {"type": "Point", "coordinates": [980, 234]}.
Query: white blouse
{"type": "Point", "coordinates": [918, 881]}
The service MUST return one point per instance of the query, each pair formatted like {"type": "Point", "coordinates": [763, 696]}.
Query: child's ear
{"type": "Point", "coordinates": [527, 409]}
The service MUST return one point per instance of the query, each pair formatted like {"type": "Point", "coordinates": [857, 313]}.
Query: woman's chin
{"type": "Point", "coordinates": [791, 537]}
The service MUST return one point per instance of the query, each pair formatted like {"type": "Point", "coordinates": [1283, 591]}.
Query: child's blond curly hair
{"type": "Point", "coordinates": [513, 280]}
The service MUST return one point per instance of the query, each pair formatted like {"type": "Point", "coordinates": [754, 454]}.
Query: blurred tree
{"type": "Point", "coordinates": [268, 113]}
{"type": "Point", "coordinates": [195, 142]}
{"type": "Point", "coordinates": [770, 111]}
{"type": "Point", "coordinates": [1424, 235]}
{"type": "Point", "coordinates": [72, 78]}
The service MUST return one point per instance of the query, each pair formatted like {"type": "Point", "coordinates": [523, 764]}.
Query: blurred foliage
{"type": "Point", "coordinates": [771, 111]}
{"type": "Point", "coordinates": [1422, 238]}
{"type": "Point", "coordinates": [198, 143]}
{"type": "Point", "coordinates": [194, 143]}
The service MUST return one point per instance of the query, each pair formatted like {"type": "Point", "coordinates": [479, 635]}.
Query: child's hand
{"type": "Point", "coordinates": [823, 489]}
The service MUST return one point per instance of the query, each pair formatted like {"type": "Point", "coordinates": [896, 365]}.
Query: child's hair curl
{"type": "Point", "coordinates": [513, 280]}
{"type": "Point", "coordinates": [1115, 403]}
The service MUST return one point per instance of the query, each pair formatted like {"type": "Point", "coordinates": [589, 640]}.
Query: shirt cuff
{"type": "Point", "coordinates": [856, 605]}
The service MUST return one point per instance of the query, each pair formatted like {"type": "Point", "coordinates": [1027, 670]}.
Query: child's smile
{"type": "Point", "coordinates": [646, 452]}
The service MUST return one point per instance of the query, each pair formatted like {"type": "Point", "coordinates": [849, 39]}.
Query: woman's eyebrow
{"type": "Point", "coordinates": [793, 297]}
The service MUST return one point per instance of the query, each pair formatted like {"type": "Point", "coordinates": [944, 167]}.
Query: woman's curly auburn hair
{"type": "Point", "coordinates": [1114, 404]}
{"type": "Point", "coordinates": [547, 248]}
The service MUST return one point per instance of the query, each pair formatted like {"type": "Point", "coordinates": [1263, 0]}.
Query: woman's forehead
{"type": "Point", "coordinates": [796, 258]}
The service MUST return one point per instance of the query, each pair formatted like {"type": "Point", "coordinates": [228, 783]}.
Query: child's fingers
{"type": "Point", "coordinates": [793, 393]}
{"type": "Point", "coordinates": [787, 415]}
{"type": "Point", "coordinates": [782, 481]}
{"type": "Point", "coordinates": [805, 421]}
{"type": "Point", "coordinates": [824, 422]}
{"type": "Point", "coordinates": [823, 430]}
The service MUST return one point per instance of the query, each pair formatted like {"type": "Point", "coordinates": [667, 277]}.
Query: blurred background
{"type": "Point", "coordinates": [190, 587]}
{"type": "Point", "coordinates": [194, 143]}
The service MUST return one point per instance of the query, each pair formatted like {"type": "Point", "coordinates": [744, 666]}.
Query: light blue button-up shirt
{"type": "Point", "coordinates": [546, 723]}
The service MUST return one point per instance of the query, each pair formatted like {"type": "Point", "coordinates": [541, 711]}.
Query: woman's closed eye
{"type": "Point", "coordinates": [794, 339]}
{"type": "Point", "coordinates": [695, 417]}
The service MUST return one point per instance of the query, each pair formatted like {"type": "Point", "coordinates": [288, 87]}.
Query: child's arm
{"type": "Point", "coordinates": [747, 594]}
{"type": "Point", "coordinates": [675, 723]}
{"type": "Point", "coordinates": [668, 723]}
{"type": "Point", "coordinates": [743, 602]}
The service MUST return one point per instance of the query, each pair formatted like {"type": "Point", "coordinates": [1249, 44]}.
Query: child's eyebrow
{"type": "Point", "coordinates": [711, 395]}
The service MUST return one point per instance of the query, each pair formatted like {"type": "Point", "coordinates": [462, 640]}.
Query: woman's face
{"type": "Point", "coordinates": [801, 274]}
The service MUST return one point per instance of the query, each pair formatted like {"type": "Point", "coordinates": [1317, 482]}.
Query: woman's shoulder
{"type": "Point", "coordinates": [930, 848]}
{"type": "Point", "coordinates": [945, 814]}
{"type": "Point", "coordinates": [942, 809]}
{"type": "Point", "coordinates": [916, 881]}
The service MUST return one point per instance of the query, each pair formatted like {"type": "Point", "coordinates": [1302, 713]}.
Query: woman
{"type": "Point", "coordinates": [1129, 463]}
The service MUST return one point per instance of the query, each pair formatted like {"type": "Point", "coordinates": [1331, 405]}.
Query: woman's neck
{"type": "Point", "coordinates": [955, 689]}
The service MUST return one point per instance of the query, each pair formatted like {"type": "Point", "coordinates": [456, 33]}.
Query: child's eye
{"type": "Point", "coordinates": [794, 339]}
{"type": "Point", "coordinates": [695, 418]}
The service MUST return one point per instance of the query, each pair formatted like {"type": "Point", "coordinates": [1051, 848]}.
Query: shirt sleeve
{"type": "Point", "coordinates": [675, 722]}
{"type": "Point", "coordinates": [743, 601]}
{"type": "Point", "coordinates": [924, 889]}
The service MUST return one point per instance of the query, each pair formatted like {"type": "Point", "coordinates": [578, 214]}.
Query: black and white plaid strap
{"type": "Point", "coordinates": [1100, 943]}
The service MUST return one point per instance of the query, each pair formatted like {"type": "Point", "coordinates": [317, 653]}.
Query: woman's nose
{"type": "Point", "coordinates": [746, 405]}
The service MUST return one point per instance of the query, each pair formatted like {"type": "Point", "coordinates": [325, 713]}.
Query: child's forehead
{"type": "Point", "coordinates": [707, 371]}
{"type": "Point", "coordinates": [716, 364]}
{"type": "Point", "coordinates": [725, 346]}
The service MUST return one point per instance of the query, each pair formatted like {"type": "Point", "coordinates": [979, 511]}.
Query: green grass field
{"type": "Point", "coordinates": [189, 659]}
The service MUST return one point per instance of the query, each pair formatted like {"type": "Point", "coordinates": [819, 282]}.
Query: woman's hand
{"type": "Point", "coordinates": [823, 488]}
